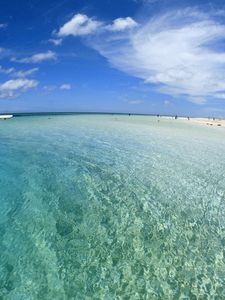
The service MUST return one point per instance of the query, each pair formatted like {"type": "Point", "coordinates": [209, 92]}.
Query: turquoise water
{"type": "Point", "coordinates": [111, 207]}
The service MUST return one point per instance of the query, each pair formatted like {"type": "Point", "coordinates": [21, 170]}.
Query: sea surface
{"type": "Point", "coordinates": [111, 207]}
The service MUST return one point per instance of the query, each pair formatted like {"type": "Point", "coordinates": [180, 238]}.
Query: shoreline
{"type": "Point", "coordinates": [206, 121]}
{"type": "Point", "coordinates": [198, 120]}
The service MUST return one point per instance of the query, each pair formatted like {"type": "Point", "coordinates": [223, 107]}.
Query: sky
{"type": "Point", "coordinates": [128, 56]}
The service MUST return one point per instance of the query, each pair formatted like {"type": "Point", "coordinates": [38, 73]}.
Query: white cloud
{"type": "Point", "coordinates": [6, 71]}
{"type": "Point", "coordinates": [220, 95]}
{"type": "Point", "coordinates": [79, 25]}
{"type": "Point", "coordinates": [167, 102]}
{"type": "Point", "coordinates": [18, 84]}
{"type": "Point", "coordinates": [13, 88]}
{"type": "Point", "coordinates": [48, 89]}
{"type": "Point", "coordinates": [197, 100]}
{"type": "Point", "coordinates": [15, 73]}
{"type": "Point", "coordinates": [135, 102]}
{"type": "Point", "coordinates": [3, 26]}
{"type": "Point", "coordinates": [37, 58]}
{"type": "Point", "coordinates": [56, 42]}
{"type": "Point", "coordinates": [82, 25]}
{"type": "Point", "coordinates": [65, 86]}
{"type": "Point", "coordinates": [25, 73]}
{"type": "Point", "coordinates": [178, 52]}
{"type": "Point", "coordinates": [121, 24]}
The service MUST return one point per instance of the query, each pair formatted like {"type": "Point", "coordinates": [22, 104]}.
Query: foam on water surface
{"type": "Point", "coordinates": [111, 207]}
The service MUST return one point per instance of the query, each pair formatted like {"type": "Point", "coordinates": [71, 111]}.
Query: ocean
{"type": "Point", "coordinates": [111, 207]}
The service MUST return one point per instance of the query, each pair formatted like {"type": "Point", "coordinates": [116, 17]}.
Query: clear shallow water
{"type": "Point", "coordinates": [111, 207]}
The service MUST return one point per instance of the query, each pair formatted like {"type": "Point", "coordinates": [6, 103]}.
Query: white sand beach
{"type": "Point", "coordinates": [209, 122]}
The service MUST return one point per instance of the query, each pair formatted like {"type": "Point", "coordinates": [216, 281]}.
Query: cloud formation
{"type": "Point", "coordinates": [65, 86]}
{"type": "Point", "coordinates": [6, 71]}
{"type": "Point", "coordinates": [48, 89]}
{"type": "Point", "coordinates": [14, 88]}
{"type": "Point", "coordinates": [82, 25]}
{"type": "Point", "coordinates": [25, 73]}
{"type": "Point", "coordinates": [79, 25]}
{"type": "Point", "coordinates": [179, 52]}
{"type": "Point", "coordinates": [3, 26]}
{"type": "Point", "coordinates": [21, 73]}
{"type": "Point", "coordinates": [121, 24]}
{"type": "Point", "coordinates": [37, 58]}
{"type": "Point", "coordinates": [56, 42]}
{"type": "Point", "coordinates": [135, 102]}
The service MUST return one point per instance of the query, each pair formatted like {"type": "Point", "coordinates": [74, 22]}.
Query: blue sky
{"type": "Point", "coordinates": [143, 56]}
